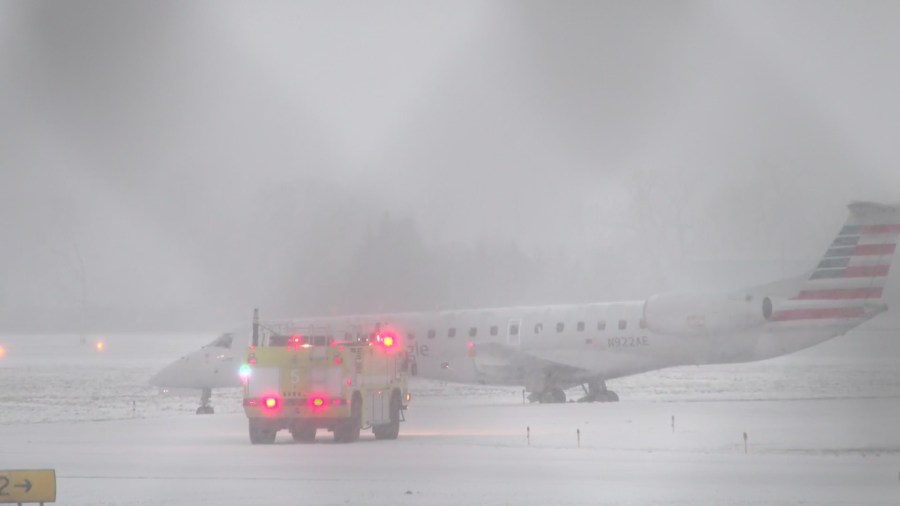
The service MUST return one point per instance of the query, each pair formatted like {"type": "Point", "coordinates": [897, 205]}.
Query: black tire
{"type": "Point", "coordinates": [390, 430]}
{"type": "Point", "coordinates": [348, 430]}
{"type": "Point", "coordinates": [260, 433]}
{"type": "Point", "coordinates": [304, 433]}
{"type": "Point", "coordinates": [553, 396]}
{"type": "Point", "coordinates": [559, 396]}
{"type": "Point", "coordinates": [355, 422]}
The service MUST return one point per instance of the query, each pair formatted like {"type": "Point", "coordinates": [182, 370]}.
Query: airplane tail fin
{"type": "Point", "coordinates": [848, 282]}
{"type": "Point", "coordinates": [857, 262]}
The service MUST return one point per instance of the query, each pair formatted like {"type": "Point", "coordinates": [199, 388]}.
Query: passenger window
{"type": "Point", "coordinates": [580, 327]}
{"type": "Point", "coordinates": [623, 324]}
{"type": "Point", "coordinates": [538, 327]}
{"type": "Point", "coordinates": [431, 334]}
{"type": "Point", "coordinates": [451, 332]}
{"type": "Point", "coordinates": [493, 330]}
{"type": "Point", "coordinates": [601, 325]}
{"type": "Point", "coordinates": [514, 330]}
{"type": "Point", "coordinates": [560, 327]}
{"type": "Point", "coordinates": [473, 331]}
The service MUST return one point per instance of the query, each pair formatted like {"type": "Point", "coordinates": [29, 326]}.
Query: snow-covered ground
{"type": "Point", "coordinates": [820, 431]}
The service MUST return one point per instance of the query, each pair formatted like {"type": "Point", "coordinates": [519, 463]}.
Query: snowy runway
{"type": "Point", "coordinates": [799, 451]}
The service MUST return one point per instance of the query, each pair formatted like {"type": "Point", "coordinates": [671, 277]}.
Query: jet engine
{"type": "Point", "coordinates": [696, 314]}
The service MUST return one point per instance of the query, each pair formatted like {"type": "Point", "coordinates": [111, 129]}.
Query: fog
{"type": "Point", "coordinates": [167, 165]}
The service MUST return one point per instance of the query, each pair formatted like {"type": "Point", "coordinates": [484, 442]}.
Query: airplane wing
{"type": "Point", "coordinates": [497, 363]}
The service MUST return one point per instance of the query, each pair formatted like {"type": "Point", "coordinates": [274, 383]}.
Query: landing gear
{"type": "Point", "coordinates": [596, 391]}
{"type": "Point", "coordinates": [205, 408]}
{"type": "Point", "coordinates": [553, 395]}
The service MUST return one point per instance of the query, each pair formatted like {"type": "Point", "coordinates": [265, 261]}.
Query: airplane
{"type": "Point", "coordinates": [548, 349]}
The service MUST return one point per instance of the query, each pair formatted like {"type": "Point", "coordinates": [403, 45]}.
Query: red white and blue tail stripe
{"type": "Point", "coordinates": [848, 282]}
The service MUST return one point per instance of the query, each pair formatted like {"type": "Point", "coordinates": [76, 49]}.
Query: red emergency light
{"type": "Point", "coordinates": [270, 402]}
{"type": "Point", "coordinates": [317, 402]}
{"type": "Point", "coordinates": [295, 341]}
{"type": "Point", "coordinates": [386, 340]}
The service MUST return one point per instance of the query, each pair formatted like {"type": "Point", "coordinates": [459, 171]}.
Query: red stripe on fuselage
{"type": "Point", "coordinates": [866, 271]}
{"type": "Point", "coordinates": [841, 294]}
{"type": "Point", "coordinates": [880, 229]}
{"type": "Point", "coordinates": [874, 249]}
{"type": "Point", "coordinates": [818, 313]}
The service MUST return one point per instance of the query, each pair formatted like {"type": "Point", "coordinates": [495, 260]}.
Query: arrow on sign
{"type": "Point", "coordinates": [26, 486]}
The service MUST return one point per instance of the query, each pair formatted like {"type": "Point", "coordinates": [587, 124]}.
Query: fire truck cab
{"type": "Point", "coordinates": [303, 379]}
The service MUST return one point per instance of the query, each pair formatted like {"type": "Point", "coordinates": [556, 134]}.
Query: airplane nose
{"type": "Point", "coordinates": [161, 378]}
{"type": "Point", "coordinates": [171, 375]}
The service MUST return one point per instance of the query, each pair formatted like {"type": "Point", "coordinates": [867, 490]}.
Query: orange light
{"type": "Point", "coordinates": [2, 351]}
{"type": "Point", "coordinates": [388, 341]}
{"type": "Point", "coordinates": [100, 345]}
{"type": "Point", "coordinates": [271, 402]}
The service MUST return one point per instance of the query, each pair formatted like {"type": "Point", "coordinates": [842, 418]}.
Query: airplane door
{"type": "Point", "coordinates": [514, 332]}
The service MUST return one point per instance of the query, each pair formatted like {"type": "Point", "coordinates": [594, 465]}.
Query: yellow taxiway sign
{"type": "Point", "coordinates": [28, 485]}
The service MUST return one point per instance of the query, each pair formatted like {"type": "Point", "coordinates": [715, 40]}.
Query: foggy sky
{"type": "Point", "coordinates": [181, 156]}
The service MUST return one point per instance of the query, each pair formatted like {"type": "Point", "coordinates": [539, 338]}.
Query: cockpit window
{"type": "Point", "coordinates": [223, 341]}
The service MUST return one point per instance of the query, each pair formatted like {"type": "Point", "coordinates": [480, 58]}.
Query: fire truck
{"type": "Point", "coordinates": [304, 379]}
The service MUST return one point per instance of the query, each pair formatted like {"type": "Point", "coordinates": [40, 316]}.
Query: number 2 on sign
{"type": "Point", "coordinates": [4, 482]}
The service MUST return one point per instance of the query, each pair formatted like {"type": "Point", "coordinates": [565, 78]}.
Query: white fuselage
{"type": "Point", "coordinates": [516, 346]}
{"type": "Point", "coordinates": [563, 345]}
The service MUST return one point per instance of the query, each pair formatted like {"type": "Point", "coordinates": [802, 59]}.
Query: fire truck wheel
{"type": "Point", "coordinates": [355, 422]}
{"type": "Point", "coordinates": [261, 434]}
{"type": "Point", "coordinates": [348, 430]}
{"type": "Point", "coordinates": [304, 434]}
{"type": "Point", "coordinates": [390, 430]}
